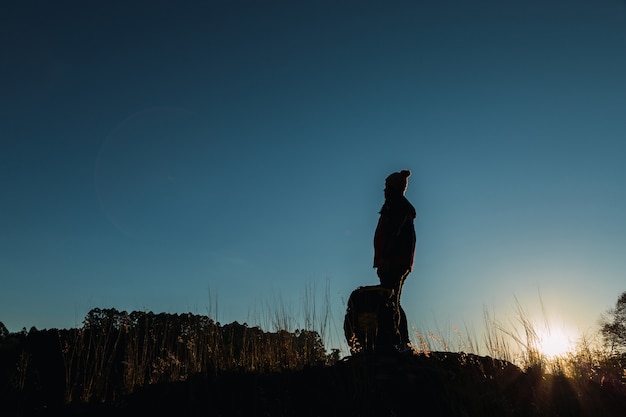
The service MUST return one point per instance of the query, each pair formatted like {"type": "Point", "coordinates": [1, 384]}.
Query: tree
{"type": "Point", "coordinates": [613, 326]}
{"type": "Point", "coordinates": [4, 332]}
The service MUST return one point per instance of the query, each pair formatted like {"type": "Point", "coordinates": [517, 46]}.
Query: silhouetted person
{"type": "Point", "coordinates": [394, 242]}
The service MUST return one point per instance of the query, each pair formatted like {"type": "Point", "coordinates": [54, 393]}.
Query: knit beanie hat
{"type": "Point", "coordinates": [398, 180]}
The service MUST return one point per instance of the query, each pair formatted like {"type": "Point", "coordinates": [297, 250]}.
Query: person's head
{"type": "Point", "coordinates": [396, 183]}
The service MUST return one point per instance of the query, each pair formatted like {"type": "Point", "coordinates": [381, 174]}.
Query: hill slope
{"type": "Point", "coordinates": [438, 384]}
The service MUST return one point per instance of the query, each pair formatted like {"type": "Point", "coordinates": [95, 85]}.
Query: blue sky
{"type": "Point", "coordinates": [160, 156]}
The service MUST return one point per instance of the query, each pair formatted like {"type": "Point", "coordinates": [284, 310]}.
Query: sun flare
{"type": "Point", "coordinates": [554, 342]}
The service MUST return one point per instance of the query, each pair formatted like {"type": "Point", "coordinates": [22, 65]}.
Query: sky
{"type": "Point", "coordinates": [229, 157]}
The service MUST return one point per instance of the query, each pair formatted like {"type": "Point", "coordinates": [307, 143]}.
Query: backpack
{"type": "Point", "coordinates": [371, 321]}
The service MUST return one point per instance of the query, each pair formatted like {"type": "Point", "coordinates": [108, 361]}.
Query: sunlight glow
{"type": "Point", "coordinates": [554, 342]}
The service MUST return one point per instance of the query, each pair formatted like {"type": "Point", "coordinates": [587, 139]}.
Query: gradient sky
{"type": "Point", "coordinates": [226, 155]}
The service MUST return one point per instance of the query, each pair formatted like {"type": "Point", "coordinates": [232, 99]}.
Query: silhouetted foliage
{"type": "Point", "coordinates": [116, 352]}
{"type": "Point", "coordinates": [613, 326]}
{"type": "Point", "coordinates": [137, 363]}
{"type": "Point", "coordinates": [4, 332]}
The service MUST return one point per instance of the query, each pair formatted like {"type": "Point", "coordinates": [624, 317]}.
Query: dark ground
{"type": "Point", "coordinates": [440, 384]}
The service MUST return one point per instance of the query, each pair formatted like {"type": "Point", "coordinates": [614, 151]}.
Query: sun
{"type": "Point", "coordinates": [554, 342]}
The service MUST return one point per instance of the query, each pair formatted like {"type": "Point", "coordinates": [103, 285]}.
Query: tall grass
{"type": "Point", "coordinates": [519, 342]}
{"type": "Point", "coordinates": [115, 352]}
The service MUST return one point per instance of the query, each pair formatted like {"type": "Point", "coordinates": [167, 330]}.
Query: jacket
{"type": "Point", "coordinates": [394, 238]}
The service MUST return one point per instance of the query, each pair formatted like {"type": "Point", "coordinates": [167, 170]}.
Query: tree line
{"type": "Point", "coordinates": [116, 352]}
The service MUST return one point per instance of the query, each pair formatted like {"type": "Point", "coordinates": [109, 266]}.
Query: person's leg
{"type": "Point", "coordinates": [402, 321]}
{"type": "Point", "coordinates": [388, 278]}
{"type": "Point", "coordinates": [403, 329]}
{"type": "Point", "coordinates": [393, 278]}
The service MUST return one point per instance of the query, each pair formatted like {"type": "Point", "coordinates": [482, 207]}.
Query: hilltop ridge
{"type": "Point", "coordinates": [439, 383]}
